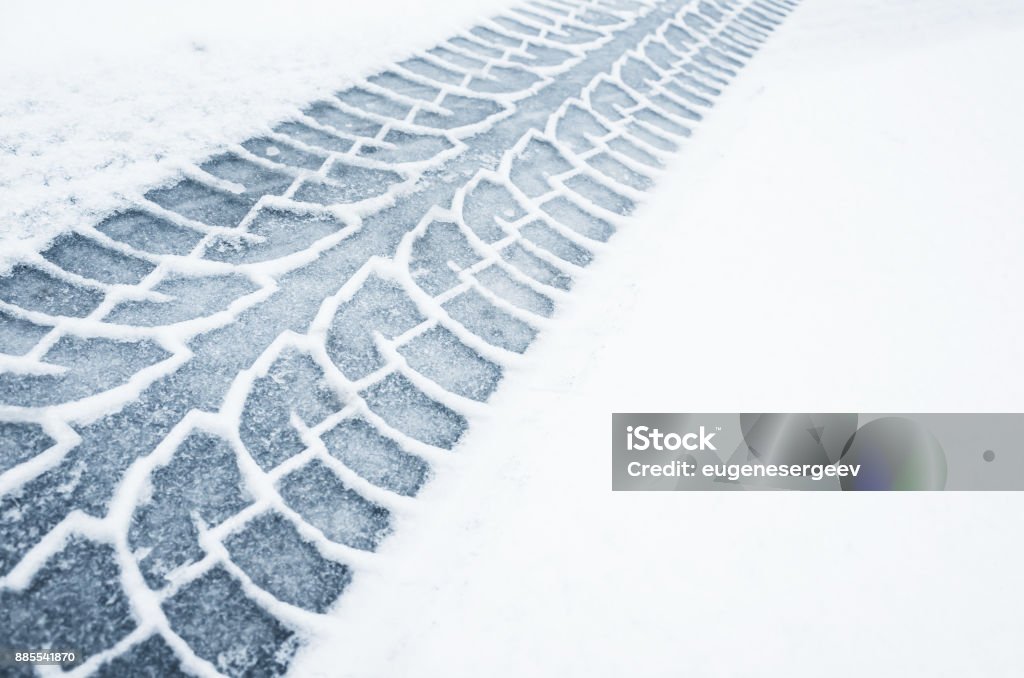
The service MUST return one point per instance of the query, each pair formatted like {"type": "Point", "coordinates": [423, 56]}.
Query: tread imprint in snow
{"type": "Point", "coordinates": [277, 559]}
{"type": "Point", "coordinates": [35, 290]}
{"type": "Point", "coordinates": [294, 386]}
{"type": "Point", "coordinates": [91, 366]}
{"type": "Point", "coordinates": [226, 628]}
{"type": "Point", "coordinates": [149, 233]}
{"type": "Point", "coordinates": [489, 322]}
{"type": "Point", "coordinates": [343, 515]}
{"type": "Point", "coordinates": [86, 257]}
{"type": "Point", "coordinates": [18, 335]}
{"type": "Point", "coordinates": [414, 413]}
{"type": "Point", "coordinates": [375, 457]}
{"type": "Point", "coordinates": [201, 203]}
{"type": "Point", "coordinates": [331, 297]}
{"type": "Point", "coordinates": [152, 658]}
{"type": "Point", "coordinates": [433, 254]}
{"type": "Point", "coordinates": [379, 306]}
{"type": "Point", "coordinates": [440, 356]}
{"type": "Point", "coordinates": [74, 601]}
{"type": "Point", "coordinates": [200, 486]}
{"type": "Point", "coordinates": [189, 297]}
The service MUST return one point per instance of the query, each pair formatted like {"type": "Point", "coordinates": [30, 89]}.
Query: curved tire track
{"type": "Point", "coordinates": [212, 405]}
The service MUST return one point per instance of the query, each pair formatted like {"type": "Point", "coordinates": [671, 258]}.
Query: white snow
{"type": "Point", "coordinates": [100, 101]}
{"type": "Point", "coordinates": [843, 234]}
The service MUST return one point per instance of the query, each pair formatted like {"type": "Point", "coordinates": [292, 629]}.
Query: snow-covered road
{"type": "Point", "coordinates": [218, 402]}
{"type": "Point", "coordinates": [275, 379]}
{"type": "Point", "coordinates": [842, 234]}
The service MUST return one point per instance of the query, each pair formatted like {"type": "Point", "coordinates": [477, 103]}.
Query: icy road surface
{"type": "Point", "coordinates": [217, 403]}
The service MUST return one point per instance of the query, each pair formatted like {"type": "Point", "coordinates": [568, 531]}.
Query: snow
{"type": "Point", "coordinates": [100, 101]}
{"type": "Point", "coordinates": [842, 234]}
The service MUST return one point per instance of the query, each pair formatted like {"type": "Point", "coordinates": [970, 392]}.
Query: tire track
{"type": "Point", "coordinates": [215, 404]}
